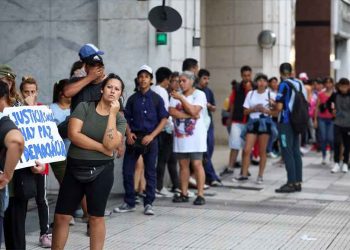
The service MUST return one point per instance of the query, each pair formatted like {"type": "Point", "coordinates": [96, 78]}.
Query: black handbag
{"type": "Point", "coordinates": [24, 184]}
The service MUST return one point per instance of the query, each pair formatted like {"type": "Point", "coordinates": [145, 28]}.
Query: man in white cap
{"type": "Point", "coordinates": [146, 117]}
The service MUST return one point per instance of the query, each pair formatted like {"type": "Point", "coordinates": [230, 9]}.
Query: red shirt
{"type": "Point", "coordinates": [323, 98]}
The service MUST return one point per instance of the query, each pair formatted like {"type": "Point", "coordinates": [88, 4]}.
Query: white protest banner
{"type": "Point", "coordinates": [42, 140]}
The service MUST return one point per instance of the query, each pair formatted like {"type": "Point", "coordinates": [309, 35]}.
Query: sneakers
{"type": "Point", "coordinates": [344, 168]}
{"type": "Point", "coordinates": [148, 210]}
{"type": "Point", "coordinates": [163, 193]}
{"type": "Point", "coordinates": [45, 240]}
{"type": "Point", "coordinates": [297, 187]}
{"type": "Point", "coordinates": [286, 188]}
{"type": "Point", "coordinates": [272, 155]}
{"type": "Point", "coordinates": [124, 208]}
{"type": "Point", "coordinates": [216, 183]}
{"type": "Point", "coordinates": [323, 161]}
{"type": "Point", "coordinates": [336, 168]}
{"type": "Point", "coordinates": [226, 171]}
{"type": "Point", "coordinates": [72, 222]}
{"type": "Point", "coordinates": [192, 182]}
{"type": "Point", "coordinates": [304, 150]}
{"type": "Point", "coordinates": [108, 213]}
{"type": "Point", "coordinates": [137, 200]}
{"type": "Point", "coordinates": [199, 201]}
{"type": "Point", "coordinates": [190, 194]}
{"type": "Point", "coordinates": [259, 180]}
{"type": "Point", "coordinates": [179, 198]}
{"type": "Point", "coordinates": [241, 178]}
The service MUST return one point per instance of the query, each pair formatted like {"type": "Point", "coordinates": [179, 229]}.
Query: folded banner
{"type": "Point", "coordinates": [42, 140]}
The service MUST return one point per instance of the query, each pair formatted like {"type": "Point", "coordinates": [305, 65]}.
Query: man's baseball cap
{"type": "Point", "coordinates": [93, 60]}
{"type": "Point", "coordinates": [145, 68]}
{"type": "Point", "coordinates": [89, 50]}
{"type": "Point", "coordinates": [6, 71]}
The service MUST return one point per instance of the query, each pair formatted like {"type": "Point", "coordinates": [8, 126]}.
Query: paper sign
{"type": "Point", "coordinates": [42, 140]}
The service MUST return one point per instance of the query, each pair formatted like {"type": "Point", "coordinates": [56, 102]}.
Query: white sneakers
{"type": "Point", "coordinates": [163, 193]}
{"type": "Point", "coordinates": [336, 168]}
{"type": "Point", "coordinates": [344, 168]}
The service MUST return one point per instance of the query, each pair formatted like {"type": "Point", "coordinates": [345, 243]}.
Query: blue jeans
{"type": "Point", "coordinates": [290, 146]}
{"type": "Point", "coordinates": [326, 134]}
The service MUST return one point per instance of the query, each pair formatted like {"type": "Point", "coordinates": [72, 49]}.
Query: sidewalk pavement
{"type": "Point", "coordinates": [247, 216]}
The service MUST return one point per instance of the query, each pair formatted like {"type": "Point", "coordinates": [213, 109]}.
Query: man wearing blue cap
{"type": "Point", "coordinates": [87, 89]}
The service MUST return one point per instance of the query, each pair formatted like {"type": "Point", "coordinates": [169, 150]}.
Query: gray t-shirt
{"type": "Point", "coordinates": [94, 126]}
{"type": "Point", "coordinates": [342, 108]}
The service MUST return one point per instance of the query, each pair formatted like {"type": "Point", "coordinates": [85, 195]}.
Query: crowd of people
{"type": "Point", "coordinates": [166, 123]}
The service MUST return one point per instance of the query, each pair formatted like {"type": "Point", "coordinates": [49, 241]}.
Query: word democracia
{"type": "Point", "coordinates": [44, 150]}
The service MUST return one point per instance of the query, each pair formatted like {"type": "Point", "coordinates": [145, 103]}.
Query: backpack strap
{"type": "Point", "coordinates": [290, 83]}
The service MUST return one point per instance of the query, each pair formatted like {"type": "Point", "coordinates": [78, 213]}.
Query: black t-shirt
{"type": "Point", "coordinates": [90, 93]}
{"type": "Point", "coordinates": [5, 126]}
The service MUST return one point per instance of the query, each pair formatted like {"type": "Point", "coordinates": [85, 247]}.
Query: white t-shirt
{"type": "Point", "coordinates": [169, 127]}
{"type": "Point", "coordinates": [254, 98]}
{"type": "Point", "coordinates": [190, 135]}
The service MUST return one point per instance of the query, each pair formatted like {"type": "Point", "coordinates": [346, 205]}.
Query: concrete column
{"type": "Point", "coordinates": [231, 28]}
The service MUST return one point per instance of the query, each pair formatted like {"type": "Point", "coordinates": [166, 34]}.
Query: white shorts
{"type": "Point", "coordinates": [235, 141]}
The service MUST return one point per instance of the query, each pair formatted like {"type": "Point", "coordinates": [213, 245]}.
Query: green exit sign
{"type": "Point", "coordinates": [161, 38]}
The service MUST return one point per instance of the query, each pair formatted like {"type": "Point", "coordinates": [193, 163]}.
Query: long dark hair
{"type": "Point", "coordinates": [76, 65]}
{"type": "Point", "coordinates": [4, 90]}
{"type": "Point", "coordinates": [58, 89]}
{"type": "Point", "coordinates": [114, 76]}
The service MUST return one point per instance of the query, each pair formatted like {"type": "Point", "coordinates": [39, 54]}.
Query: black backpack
{"type": "Point", "coordinates": [299, 116]}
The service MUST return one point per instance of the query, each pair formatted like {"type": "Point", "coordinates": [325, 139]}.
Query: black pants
{"type": "Point", "coordinates": [166, 157]}
{"type": "Point", "coordinates": [341, 135]}
{"type": "Point", "coordinates": [14, 224]}
{"type": "Point", "coordinates": [42, 204]}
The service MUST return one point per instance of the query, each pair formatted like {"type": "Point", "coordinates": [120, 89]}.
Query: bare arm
{"type": "Point", "coordinates": [248, 111]}
{"type": "Point", "coordinates": [112, 138]}
{"type": "Point", "coordinates": [192, 110]}
{"type": "Point", "coordinates": [178, 114]}
{"type": "Point", "coordinates": [14, 143]}
{"type": "Point", "coordinates": [278, 108]}
{"type": "Point", "coordinates": [211, 108]}
{"type": "Point", "coordinates": [79, 139]}
{"type": "Point", "coordinates": [72, 89]}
